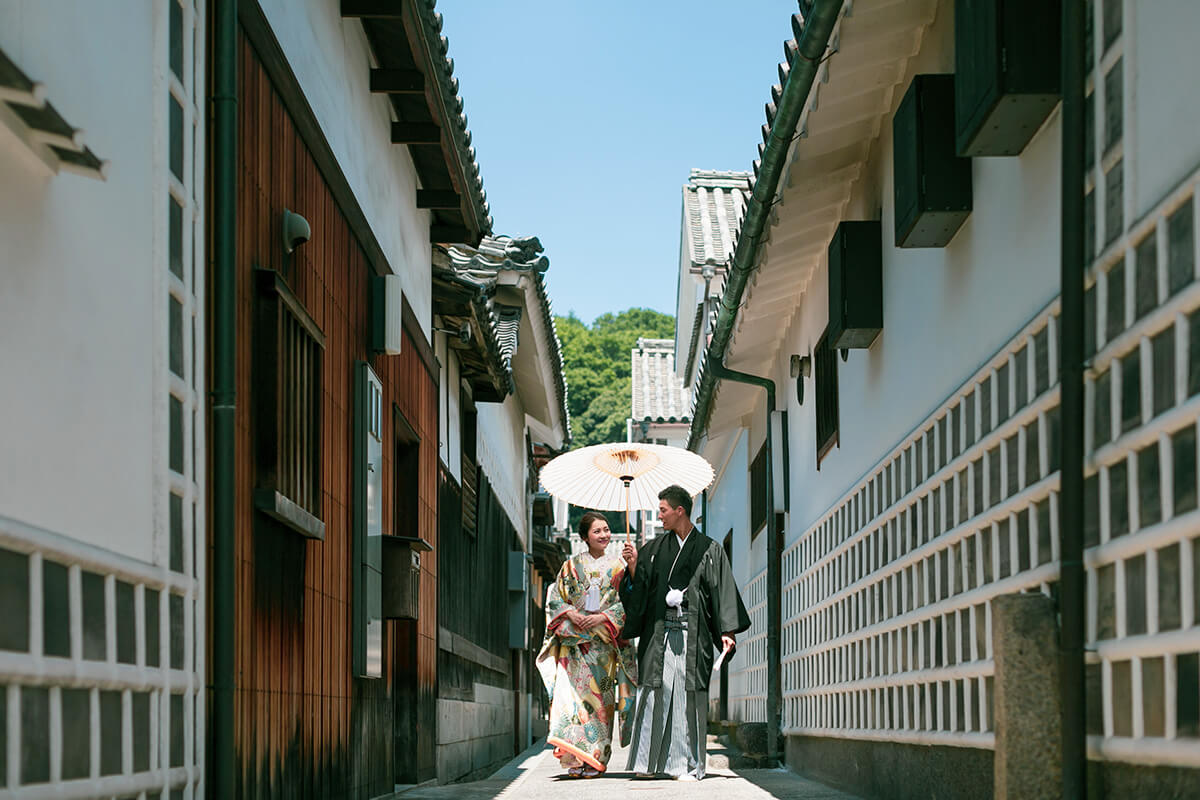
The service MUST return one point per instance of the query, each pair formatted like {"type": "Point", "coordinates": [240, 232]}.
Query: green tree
{"type": "Point", "coordinates": [597, 368]}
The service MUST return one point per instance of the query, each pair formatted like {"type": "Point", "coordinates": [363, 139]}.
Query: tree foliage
{"type": "Point", "coordinates": [597, 368]}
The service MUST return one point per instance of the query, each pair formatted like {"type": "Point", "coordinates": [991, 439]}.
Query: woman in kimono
{"type": "Point", "coordinates": [589, 671]}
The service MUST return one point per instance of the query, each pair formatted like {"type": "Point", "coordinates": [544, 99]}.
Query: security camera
{"type": "Point", "coordinates": [296, 230]}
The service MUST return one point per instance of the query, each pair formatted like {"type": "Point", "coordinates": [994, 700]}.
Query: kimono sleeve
{"type": "Point", "coordinates": [729, 614]}
{"type": "Point", "coordinates": [634, 592]}
{"type": "Point", "coordinates": [558, 596]}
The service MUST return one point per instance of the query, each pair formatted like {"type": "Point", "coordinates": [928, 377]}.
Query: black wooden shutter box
{"type": "Point", "coordinates": [855, 285]}
{"type": "Point", "coordinates": [1007, 77]}
{"type": "Point", "coordinates": [932, 183]}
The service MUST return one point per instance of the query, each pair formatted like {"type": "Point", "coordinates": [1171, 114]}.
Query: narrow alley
{"type": "Point", "coordinates": [536, 775]}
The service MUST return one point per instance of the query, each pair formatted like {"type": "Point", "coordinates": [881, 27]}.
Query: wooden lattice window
{"type": "Point", "coordinates": [758, 491]}
{"type": "Point", "coordinates": [288, 352]}
{"type": "Point", "coordinates": [825, 358]}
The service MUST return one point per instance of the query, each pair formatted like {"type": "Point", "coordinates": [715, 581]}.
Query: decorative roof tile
{"type": "Point", "coordinates": [714, 203]}
{"type": "Point", "coordinates": [658, 393]}
{"type": "Point", "coordinates": [479, 267]}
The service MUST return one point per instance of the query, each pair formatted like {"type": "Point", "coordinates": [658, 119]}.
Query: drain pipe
{"type": "Point", "coordinates": [224, 391]}
{"type": "Point", "coordinates": [774, 573]}
{"type": "Point", "coordinates": [1071, 595]}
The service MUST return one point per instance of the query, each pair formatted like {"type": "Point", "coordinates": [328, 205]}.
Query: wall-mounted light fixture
{"type": "Point", "coordinates": [801, 368]}
{"type": "Point", "coordinates": [296, 230]}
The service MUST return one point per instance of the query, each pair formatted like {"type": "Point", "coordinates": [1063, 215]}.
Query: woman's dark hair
{"type": "Point", "coordinates": [677, 496]}
{"type": "Point", "coordinates": [585, 522]}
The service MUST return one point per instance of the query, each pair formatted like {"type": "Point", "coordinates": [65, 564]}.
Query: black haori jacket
{"type": "Point", "coordinates": [712, 605]}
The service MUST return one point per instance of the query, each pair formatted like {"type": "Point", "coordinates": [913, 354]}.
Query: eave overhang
{"type": "Point", "coordinates": [412, 68]}
{"type": "Point", "coordinates": [28, 114]}
{"type": "Point", "coordinates": [856, 86]}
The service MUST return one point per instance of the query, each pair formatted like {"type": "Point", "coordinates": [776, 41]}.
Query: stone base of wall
{"type": "Point", "coordinates": [474, 737]}
{"type": "Point", "coordinates": [917, 772]}
{"type": "Point", "coordinates": [893, 770]}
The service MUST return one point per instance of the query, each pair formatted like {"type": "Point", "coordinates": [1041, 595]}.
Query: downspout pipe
{"type": "Point", "coordinates": [1071, 595]}
{"type": "Point", "coordinates": [774, 572]}
{"type": "Point", "coordinates": [224, 392]}
{"type": "Point", "coordinates": [810, 51]}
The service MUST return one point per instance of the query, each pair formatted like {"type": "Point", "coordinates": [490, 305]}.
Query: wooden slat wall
{"type": "Point", "coordinates": [306, 727]}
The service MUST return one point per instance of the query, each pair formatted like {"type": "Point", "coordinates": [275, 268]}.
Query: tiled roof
{"type": "Point", "coordinates": [658, 393]}
{"type": "Point", "coordinates": [714, 203]}
{"type": "Point", "coordinates": [479, 267]}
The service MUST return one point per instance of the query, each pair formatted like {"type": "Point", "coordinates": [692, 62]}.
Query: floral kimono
{"type": "Point", "coordinates": [589, 674]}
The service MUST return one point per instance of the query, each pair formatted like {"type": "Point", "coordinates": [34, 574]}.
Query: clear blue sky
{"type": "Point", "coordinates": [586, 118]}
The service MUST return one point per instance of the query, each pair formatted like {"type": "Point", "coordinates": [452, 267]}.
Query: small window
{"type": "Point", "coordinates": [825, 360]}
{"type": "Point", "coordinates": [758, 491]}
{"type": "Point", "coordinates": [289, 348]}
{"type": "Point", "coordinates": [470, 466]}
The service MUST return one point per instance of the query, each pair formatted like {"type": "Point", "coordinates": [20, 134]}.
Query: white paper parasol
{"type": "Point", "coordinates": [624, 476]}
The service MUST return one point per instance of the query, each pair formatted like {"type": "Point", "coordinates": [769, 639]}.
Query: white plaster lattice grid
{"type": "Point", "coordinates": [99, 686]}
{"type": "Point", "coordinates": [887, 620]}
{"type": "Point", "coordinates": [748, 669]}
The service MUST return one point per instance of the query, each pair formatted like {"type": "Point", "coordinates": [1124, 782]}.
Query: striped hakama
{"type": "Point", "coordinates": [670, 723]}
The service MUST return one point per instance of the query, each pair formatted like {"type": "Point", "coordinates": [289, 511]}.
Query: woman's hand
{"type": "Point", "coordinates": [589, 621]}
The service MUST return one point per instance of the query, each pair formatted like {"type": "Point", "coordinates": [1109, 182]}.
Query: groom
{"type": "Point", "coordinates": [681, 599]}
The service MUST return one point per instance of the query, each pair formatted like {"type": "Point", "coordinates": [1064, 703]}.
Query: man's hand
{"type": "Point", "coordinates": [629, 553]}
{"type": "Point", "coordinates": [728, 642]}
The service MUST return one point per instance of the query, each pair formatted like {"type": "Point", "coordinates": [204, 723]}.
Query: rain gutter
{"type": "Point", "coordinates": [224, 391]}
{"type": "Point", "coordinates": [1071, 596]}
{"type": "Point", "coordinates": [801, 72]}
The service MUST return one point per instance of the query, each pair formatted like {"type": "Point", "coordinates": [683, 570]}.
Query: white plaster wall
{"type": "Point", "coordinates": [945, 311]}
{"type": "Point", "coordinates": [331, 59]}
{"type": "Point", "coordinates": [501, 452]}
{"type": "Point", "coordinates": [728, 506]}
{"type": "Point", "coordinates": [1162, 99]}
{"type": "Point", "coordinates": [78, 331]}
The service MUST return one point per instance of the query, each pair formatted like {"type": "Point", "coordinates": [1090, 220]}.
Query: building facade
{"type": "Point", "coordinates": [505, 413]}
{"type": "Point", "coordinates": [910, 467]}
{"type": "Point", "coordinates": [102, 448]}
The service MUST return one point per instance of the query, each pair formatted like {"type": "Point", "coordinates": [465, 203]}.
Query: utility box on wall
{"type": "Point", "coordinates": [1007, 72]}
{"type": "Point", "coordinates": [932, 183]}
{"type": "Point", "coordinates": [518, 600]}
{"type": "Point", "coordinates": [855, 285]}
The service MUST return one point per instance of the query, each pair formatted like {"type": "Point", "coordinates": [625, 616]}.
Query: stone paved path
{"type": "Point", "coordinates": [536, 775]}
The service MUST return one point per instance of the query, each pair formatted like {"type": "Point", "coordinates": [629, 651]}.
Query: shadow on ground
{"type": "Point", "coordinates": [536, 775]}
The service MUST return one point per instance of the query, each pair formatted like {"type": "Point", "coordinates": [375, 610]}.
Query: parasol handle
{"type": "Point", "coordinates": [628, 535]}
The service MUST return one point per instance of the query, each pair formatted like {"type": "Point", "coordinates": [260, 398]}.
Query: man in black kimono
{"type": "Point", "coordinates": [681, 600]}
